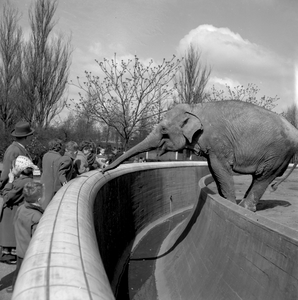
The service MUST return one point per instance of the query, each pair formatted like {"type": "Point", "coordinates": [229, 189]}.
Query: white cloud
{"type": "Point", "coordinates": [235, 59]}
{"type": "Point", "coordinates": [228, 51]}
{"type": "Point", "coordinates": [96, 49]}
{"type": "Point", "coordinates": [223, 82]}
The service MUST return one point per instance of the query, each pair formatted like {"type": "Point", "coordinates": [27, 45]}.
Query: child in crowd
{"type": "Point", "coordinates": [66, 170]}
{"type": "Point", "coordinates": [25, 222]}
{"type": "Point", "coordinates": [101, 158]}
{"type": "Point", "coordinates": [81, 161]}
{"type": "Point", "coordinates": [91, 156]}
{"type": "Point", "coordinates": [19, 175]}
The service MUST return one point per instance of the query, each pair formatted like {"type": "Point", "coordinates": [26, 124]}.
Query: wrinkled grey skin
{"type": "Point", "coordinates": [236, 138]}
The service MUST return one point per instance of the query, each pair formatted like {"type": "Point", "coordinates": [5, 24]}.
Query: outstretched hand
{"type": "Point", "coordinates": [10, 176]}
{"type": "Point", "coordinates": [103, 170]}
{"type": "Point", "coordinates": [107, 168]}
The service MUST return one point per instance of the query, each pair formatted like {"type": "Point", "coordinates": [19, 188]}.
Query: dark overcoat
{"type": "Point", "coordinates": [13, 198]}
{"type": "Point", "coordinates": [66, 171]}
{"type": "Point", "coordinates": [50, 164]}
{"type": "Point", "coordinates": [25, 223]}
{"type": "Point", "coordinates": [81, 163]}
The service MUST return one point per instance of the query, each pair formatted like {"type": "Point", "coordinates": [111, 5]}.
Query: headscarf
{"type": "Point", "coordinates": [22, 163]}
{"type": "Point", "coordinates": [86, 144]}
{"type": "Point", "coordinates": [91, 159]}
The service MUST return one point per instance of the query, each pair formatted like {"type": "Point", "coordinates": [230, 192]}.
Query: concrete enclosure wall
{"type": "Point", "coordinates": [227, 252]}
{"type": "Point", "coordinates": [221, 251]}
{"type": "Point", "coordinates": [128, 204]}
{"type": "Point", "coordinates": [63, 260]}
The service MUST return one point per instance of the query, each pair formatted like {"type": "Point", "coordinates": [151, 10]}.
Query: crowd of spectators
{"type": "Point", "coordinates": [23, 199]}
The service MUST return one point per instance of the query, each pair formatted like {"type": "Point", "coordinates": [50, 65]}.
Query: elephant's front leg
{"type": "Point", "coordinates": [223, 178]}
{"type": "Point", "coordinates": [255, 192]}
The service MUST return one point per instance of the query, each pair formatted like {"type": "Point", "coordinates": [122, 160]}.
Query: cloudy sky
{"type": "Point", "coordinates": [243, 41]}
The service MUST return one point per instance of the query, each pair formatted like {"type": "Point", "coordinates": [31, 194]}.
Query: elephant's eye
{"type": "Point", "coordinates": [163, 130]}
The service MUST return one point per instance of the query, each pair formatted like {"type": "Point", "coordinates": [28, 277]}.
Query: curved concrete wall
{"type": "Point", "coordinates": [221, 251]}
{"type": "Point", "coordinates": [227, 252]}
{"type": "Point", "coordinates": [63, 261]}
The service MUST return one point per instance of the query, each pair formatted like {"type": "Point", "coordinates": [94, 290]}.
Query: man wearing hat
{"type": "Point", "coordinates": [21, 133]}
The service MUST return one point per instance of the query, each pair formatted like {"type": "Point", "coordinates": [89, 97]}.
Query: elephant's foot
{"type": "Point", "coordinates": [248, 205]}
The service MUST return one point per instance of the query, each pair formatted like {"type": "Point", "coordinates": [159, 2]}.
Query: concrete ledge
{"type": "Point", "coordinates": [63, 261]}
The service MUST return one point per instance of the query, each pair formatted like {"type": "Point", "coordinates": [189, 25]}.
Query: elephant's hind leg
{"type": "Point", "coordinates": [255, 192]}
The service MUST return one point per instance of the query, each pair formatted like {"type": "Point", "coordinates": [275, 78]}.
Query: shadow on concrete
{"type": "Point", "coordinates": [268, 204]}
{"type": "Point", "coordinates": [184, 232]}
{"type": "Point", "coordinates": [6, 281]}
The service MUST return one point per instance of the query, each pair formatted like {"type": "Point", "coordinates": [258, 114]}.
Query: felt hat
{"type": "Point", "coordinates": [22, 129]}
{"type": "Point", "coordinates": [22, 163]}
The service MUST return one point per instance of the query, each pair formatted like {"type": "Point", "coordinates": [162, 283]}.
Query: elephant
{"type": "Point", "coordinates": [236, 138]}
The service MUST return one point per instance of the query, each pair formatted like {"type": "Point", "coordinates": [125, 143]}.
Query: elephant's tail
{"type": "Point", "coordinates": [275, 185]}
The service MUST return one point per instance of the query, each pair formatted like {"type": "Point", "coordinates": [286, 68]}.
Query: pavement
{"type": "Point", "coordinates": [6, 274]}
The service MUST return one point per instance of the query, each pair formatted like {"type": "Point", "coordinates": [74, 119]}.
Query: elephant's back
{"type": "Point", "coordinates": [242, 116]}
{"type": "Point", "coordinates": [232, 108]}
{"type": "Point", "coordinates": [246, 127]}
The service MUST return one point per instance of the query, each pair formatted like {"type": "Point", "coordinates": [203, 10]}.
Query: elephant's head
{"type": "Point", "coordinates": [172, 134]}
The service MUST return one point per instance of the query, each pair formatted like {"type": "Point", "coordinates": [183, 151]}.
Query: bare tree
{"type": "Point", "coordinates": [45, 67]}
{"type": "Point", "coordinates": [10, 49]}
{"type": "Point", "coordinates": [192, 78]}
{"type": "Point", "coordinates": [128, 92]}
{"type": "Point", "coordinates": [248, 94]}
{"type": "Point", "coordinates": [291, 114]}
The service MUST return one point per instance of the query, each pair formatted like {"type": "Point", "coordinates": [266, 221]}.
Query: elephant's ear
{"type": "Point", "coordinates": [191, 125]}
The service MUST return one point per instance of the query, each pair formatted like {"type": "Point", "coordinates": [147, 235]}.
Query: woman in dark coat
{"type": "Point", "coordinates": [50, 164]}
{"type": "Point", "coordinates": [21, 133]}
{"type": "Point", "coordinates": [21, 173]}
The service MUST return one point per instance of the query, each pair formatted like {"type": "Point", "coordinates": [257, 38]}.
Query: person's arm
{"type": "Point", "coordinates": [7, 165]}
{"type": "Point", "coordinates": [81, 167]}
{"type": "Point", "coordinates": [12, 193]}
{"type": "Point", "coordinates": [35, 222]}
{"type": "Point", "coordinates": [64, 168]}
{"type": "Point", "coordinates": [33, 228]}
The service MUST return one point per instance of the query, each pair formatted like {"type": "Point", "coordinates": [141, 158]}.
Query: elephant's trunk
{"type": "Point", "coordinates": [151, 142]}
